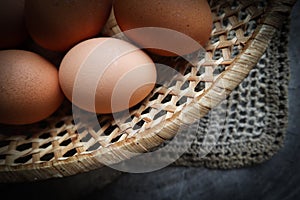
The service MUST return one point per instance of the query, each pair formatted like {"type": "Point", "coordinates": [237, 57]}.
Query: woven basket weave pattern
{"type": "Point", "coordinates": [252, 121]}
{"type": "Point", "coordinates": [58, 147]}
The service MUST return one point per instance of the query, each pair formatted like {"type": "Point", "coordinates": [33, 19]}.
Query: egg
{"type": "Point", "coordinates": [106, 75]}
{"type": "Point", "coordinates": [12, 23]}
{"type": "Point", "coordinates": [193, 18]}
{"type": "Point", "coordinates": [60, 24]}
{"type": "Point", "coordinates": [29, 87]}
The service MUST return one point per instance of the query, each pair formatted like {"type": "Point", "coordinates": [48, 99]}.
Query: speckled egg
{"type": "Point", "coordinates": [106, 75]}
{"type": "Point", "coordinates": [190, 17]}
{"type": "Point", "coordinates": [60, 24]}
{"type": "Point", "coordinates": [29, 87]}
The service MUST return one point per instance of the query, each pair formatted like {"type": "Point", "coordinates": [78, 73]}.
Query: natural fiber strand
{"type": "Point", "coordinates": [256, 116]}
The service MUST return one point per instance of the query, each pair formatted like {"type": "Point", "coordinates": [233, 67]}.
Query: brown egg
{"type": "Point", "coordinates": [192, 18]}
{"type": "Point", "coordinates": [106, 75]}
{"type": "Point", "coordinates": [29, 87]}
{"type": "Point", "coordinates": [60, 24]}
{"type": "Point", "coordinates": [12, 24]}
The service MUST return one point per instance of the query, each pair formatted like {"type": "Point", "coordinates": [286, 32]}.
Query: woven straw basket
{"type": "Point", "coordinates": [57, 147]}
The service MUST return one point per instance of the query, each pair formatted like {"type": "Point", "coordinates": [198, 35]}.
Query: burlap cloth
{"type": "Point", "coordinates": [249, 126]}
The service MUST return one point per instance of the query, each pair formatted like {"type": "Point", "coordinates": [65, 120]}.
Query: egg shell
{"type": "Point", "coordinates": [60, 24]}
{"type": "Point", "coordinates": [29, 87]}
{"type": "Point", "coordinates": [190, 17]}
{"type": "Point", "coordinates": [106, 75]}
{"type": "Point", "coordinates": [12, 23]}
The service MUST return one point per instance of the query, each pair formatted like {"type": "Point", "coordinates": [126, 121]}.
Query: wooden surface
{"type": "Point", "coordinates": [278, 178]}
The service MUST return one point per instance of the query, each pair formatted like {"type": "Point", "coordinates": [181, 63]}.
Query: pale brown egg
{"type": "Point", "coordinates": [60, 24]}
{"type": "Point", "coordinates": [106, 75]}
{"type": "Point", "coordinates": [29, 87]}
{"type": "Point", "coordinates": [192, 18]}
{"type": "Point", "coordinates": [12, 23]}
